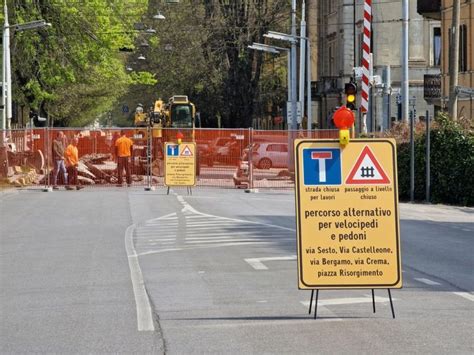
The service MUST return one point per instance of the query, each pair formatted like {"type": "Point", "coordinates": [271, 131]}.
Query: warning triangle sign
{"type": "Point", "coordinates": [367, 170]}
{"type": "Point", "coordinates": [186, 152]}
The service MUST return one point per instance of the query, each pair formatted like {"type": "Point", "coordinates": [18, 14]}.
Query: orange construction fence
{"type": "Point", "coordinates": [229, 158]}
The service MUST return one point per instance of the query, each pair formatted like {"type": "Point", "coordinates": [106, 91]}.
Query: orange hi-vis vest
{"type": "Point", "coordinates": [71, 155]}
{"type": "Point", "coordinates": [123, 145]}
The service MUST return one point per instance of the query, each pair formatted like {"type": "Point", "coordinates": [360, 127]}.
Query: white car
{"type": "Point", "coordinates": [270, 155]}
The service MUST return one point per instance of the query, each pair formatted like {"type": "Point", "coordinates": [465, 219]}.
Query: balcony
{"type": "Point", "coordinates": [430, 9]}
{"type": "Point", "coordinates": [432, 87]}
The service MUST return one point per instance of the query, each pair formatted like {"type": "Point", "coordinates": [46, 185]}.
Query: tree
{"type": "Point", "coordinates": [72, 71]}
{"type": "Point", "coordinates": [233, 26]}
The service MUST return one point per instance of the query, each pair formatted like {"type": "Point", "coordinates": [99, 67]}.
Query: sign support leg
{"type": "Point", "coordinates": [373, 300]}
{"type": "Point", "coordinates": [391, 302]}
{"type": "Point", "coordinates": [168, 191]}
{"type": "Point", "coordinates": [311, 301]}
{"type": "Point", "coordinates": [316, 304]}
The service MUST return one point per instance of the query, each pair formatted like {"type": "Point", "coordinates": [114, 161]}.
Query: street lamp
{"type": "Point", "coordinates": [159, 16]}
{"type": "Point", "coordinates": [277, 50]}
{"type": "Point", "coordinates": [6, 62]}
{"type": "Point", "coordinates": [305, 44]}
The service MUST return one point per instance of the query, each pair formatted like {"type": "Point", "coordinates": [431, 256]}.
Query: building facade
{"type": "Point", "coordinates": [442, 10]}
{"type": "Point", "coordinates": [339, 33]}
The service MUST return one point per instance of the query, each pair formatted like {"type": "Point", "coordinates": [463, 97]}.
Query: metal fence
{"type": "Point", "coordinates": [226, 158]}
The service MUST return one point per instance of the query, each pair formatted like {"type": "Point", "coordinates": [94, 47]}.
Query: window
{"type": "Point", "coordinates": [331, 58]}
{"type": "Point", "coordinates": [277, 148]}
{"type": "Point", "coordinates": [462, 62]}
{"type": "Point", "coordinates": [462, 48]}
{"type": "Point", "coordinates": [436, 47]}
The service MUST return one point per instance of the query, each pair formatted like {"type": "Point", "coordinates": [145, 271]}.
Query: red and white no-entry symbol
{"type": "Point", "coordinates": [367, 170]}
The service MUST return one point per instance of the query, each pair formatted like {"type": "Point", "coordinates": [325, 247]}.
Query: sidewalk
{"type": "Point", "coordinates": [438, 213]}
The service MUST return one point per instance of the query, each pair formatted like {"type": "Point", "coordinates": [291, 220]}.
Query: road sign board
{"type": "Point", "coordinates": [347, 214]}
{"type": "Point", "coordinates": [367, 170]}
{"type": "Point", "coordinates": [180, 164]}
{"type": "Point", "coordinates": [186, 152]}
{"type": "Point", "coordinates": [322, 166]}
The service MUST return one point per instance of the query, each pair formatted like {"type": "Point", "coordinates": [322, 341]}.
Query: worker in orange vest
{"type": "Point", "coordinates": [71, 157]}
{"type": "Point", "coordinates": [123, 152]}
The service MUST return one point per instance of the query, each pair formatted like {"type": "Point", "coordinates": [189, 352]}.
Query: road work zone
{"type": "Point", "coordinates": [347, 214]}
{"type": "Point", "coordinates": [180, 164]}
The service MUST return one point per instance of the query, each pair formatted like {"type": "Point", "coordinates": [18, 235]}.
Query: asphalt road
{"type": "Point", "coordinates": [215, 272]}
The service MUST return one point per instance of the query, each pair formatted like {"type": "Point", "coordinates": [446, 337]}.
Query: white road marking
{"type": "Point", "coordinates": [219, 240]}
{"type": "Point", "coordinates": [190, 247]}
{"type": "Point", "coordinates": [144, 315]}
{"type": "Point", "coordinates": [257, 264]}
{"type": "Point", "coordinates": [158, 251]}
{"type": "Point", "coordinates": [427, 281]}
{"type": "Point", "coordinates": [352, 300]}
{"type": "Point", "coordinates": [467, 295]}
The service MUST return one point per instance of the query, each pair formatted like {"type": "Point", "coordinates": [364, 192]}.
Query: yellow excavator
{"type": "Point", "coordinates": [178, 112]}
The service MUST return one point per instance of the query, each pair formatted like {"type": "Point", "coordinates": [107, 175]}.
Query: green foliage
{"type": "Point", "coordinates": [73, 71]}
{"type": "Point", "coordinates": [452, 164]}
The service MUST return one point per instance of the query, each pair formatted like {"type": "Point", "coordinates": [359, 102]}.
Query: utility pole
{"type": "Point", "coordinates": [6, 77]}
{"type": "Point", "coordinates": [302, 63]}
{"type": "Point", "coordinates": [293, 66]}
{"type": "Point", "coordinates": [454, 61]}
{"type": "Point", "coordinates": [405, 86]}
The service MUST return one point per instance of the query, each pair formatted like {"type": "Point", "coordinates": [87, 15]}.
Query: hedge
{"type": "Point", "coordinates": [452, 163]}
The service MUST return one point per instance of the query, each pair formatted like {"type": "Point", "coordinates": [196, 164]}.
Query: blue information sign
{"type": "Point", "coordinates": [172, 150]}
{"type": "Point", "coordinates": [322, 166]}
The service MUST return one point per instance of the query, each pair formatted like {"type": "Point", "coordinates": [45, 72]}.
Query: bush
{"type": "Point", "coordinates": [452, 162]}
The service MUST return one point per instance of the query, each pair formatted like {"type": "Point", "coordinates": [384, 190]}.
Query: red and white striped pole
{"type": "Point", "coordinates": [366, 59]}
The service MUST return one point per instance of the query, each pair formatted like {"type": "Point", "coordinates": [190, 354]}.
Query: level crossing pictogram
{"type": "Point", "coordinates": [367, 170]}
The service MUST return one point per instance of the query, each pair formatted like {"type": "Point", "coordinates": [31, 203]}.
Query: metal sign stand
{"type": "Point", "coordinates": [188, 190]}
{"type": "Point", "coordinates": [373, 302]}
{"type": "Point", "coordinates": [149, 159]}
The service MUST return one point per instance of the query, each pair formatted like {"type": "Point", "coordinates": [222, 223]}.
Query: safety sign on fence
{"type": "Point", "coordinates": [347, 214]}
{"type": "Point", "coordinates": [180, 164]}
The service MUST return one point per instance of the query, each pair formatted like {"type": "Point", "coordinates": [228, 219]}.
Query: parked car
{"type": "Point", "coordinates": [225, 150]}
{"type": "Point", "coordinates": [268, 155]}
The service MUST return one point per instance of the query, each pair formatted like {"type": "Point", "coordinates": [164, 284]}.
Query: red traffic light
{"type": "Point", "coordinates": [350, 88]}
{"type": "Point", "coordinates": [343, 118]}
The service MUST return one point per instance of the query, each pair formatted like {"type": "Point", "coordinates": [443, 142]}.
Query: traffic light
{"type": "Point", "coordinates": [350, 90]}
